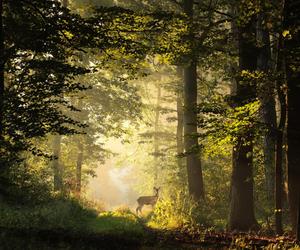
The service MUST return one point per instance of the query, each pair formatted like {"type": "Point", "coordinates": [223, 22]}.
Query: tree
{"type": "Point", "coordinates": [242, 202]}
{"type": "Point", "coordinates": [266, 95]}
{"type": "Point", "coordinates": [291, 35]}
{"type": "Point", "coordinates": [179, 110]}
{"type": "Point", "coordinates": [193, 163]}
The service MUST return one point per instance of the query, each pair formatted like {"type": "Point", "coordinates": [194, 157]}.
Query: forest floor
{"type": "Point", "coordinates": [150, 240]}
{"type": "Point", "coordinates": [67, 225]}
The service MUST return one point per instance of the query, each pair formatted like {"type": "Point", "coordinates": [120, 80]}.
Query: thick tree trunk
{"type": "Point", "coordinates": [293, 151]}
{"type": "Point", "coordinates": [79, 167]}
{"type": "Point", "coordinates": [298, 222]}
{"type": "Point", "coordinates": [194, 170]}
{"type": "Point", "coordinates": [266, 95]}
{"type": "Point", "coordinates": [292, 48]}
{"type": "Point", "coordinates": [242, 203]}
{"type": "Point", "coordinates": [193, 162]}
{"type": "Point", "coordinates": [57, 167]}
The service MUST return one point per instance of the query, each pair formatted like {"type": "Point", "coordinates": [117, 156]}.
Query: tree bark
{"type": "Point", "coordinates": [293, 151]}
{"type": "Point", "coordinates": [298, 221]}
{"type": "Point", "coordinates": [292, 48]}
{"type": "Point", "coordinates": [2, 62]}
{"type": "Point", "coordinates": [65, 3]}
{"type": "Point", "coordinates": [179, 131]}
{"type": "Point", "coordinates": [194, 169]}
{"type": "Point", "coordinates": [241, 216]}
{"type": "Point", "coordinates": [57, 167]}
{"type": "Point", "coordinates": [268, 113]}
{"type": "Point", "coordinates": [156, 137]}
{"type": "Point", "coordinates": [79, 167]}
{"type": "Point", "coordinates": [278, 183]}
{"type": "Point", "coordinates": [280, 68]}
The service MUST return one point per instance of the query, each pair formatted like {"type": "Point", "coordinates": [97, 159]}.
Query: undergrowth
{"type": "Point", "coordinates": [184, 213]}
{"type": "Point", "coordinates": [70, 215]}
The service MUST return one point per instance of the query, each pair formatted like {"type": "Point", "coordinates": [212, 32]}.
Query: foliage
{"type": "Point", "coordinates": [222, 126]}
{"type": "Point", "coordinates": [180, 212]}
{"type": "Point", "coordinates": [44, 43]}
{"type": "Point", "coordinates": [54, 214]}
{"type": "Point", "coordinates": [60, 213]}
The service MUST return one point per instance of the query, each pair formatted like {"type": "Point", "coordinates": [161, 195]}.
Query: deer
{"type": "Point", "coordinates": [147, 200]}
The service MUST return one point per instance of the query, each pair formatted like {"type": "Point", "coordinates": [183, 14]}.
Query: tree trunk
{"type": "Point", "coordinates": [293, 151]}
{"type": "Point", "coordinates": [65, 3]}
{"type": "Point", "coordinates": [298, 221]}
{"type": "Point", "coordinates": [242, 203]}
{"type": "Point", "coordinates": [1, 72]}
{"type": "Point", "coordinates": [57, 167]}
{"type": "Point", "coordinates": [278, 184]}
{"type": "Point", "coordinates": [280, 67]}
{"type": "Point", "coordinates": [156, 137]}
{"type": "Point", "coordinates": [194, 170]}
{"type": "Point", "coordinates": [266, 95]}
{"type": "Point", "coordinates": [292, 48]}
{"type": "Point", "coordinates": [79, 167]}
{"type": "Point", "coordinates": [182, 175]}
{"type": "Point", "coordinates": [179, 131]}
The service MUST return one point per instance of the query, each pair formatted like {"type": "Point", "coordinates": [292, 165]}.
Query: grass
{"type": "Point", "coordinates": [65, 224]}
{"type": "Point", "coordinates": [68, 224]}
{"type": "Point", "coordinates": [69, 215]}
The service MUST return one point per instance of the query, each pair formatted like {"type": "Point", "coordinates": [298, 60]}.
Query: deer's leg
{"type": "Point", "coordinates": [139, 209]}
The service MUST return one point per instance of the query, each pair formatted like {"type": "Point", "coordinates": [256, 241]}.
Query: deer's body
{"type": "Point", "coordinates": [147, 200]}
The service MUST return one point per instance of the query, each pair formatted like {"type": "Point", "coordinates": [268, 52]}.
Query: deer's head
{"type": "Point", "coordinates": [156, 190]}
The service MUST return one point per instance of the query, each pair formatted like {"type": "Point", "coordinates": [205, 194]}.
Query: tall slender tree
{"type": "Point", "coordinates": [2, 63]}
{"type": "Point", "coordinates": [57, 138]}
{"type": "Point", "coordinates": [179, 109]}
{"type": "Point", "coordinates": [279, 151]}
{"type": "Point", "coordinates": [194, 169]}
{"type": "Point", "coordinates": [156, 134]}
{"type": "Point", "coordinates": [266, 95]}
